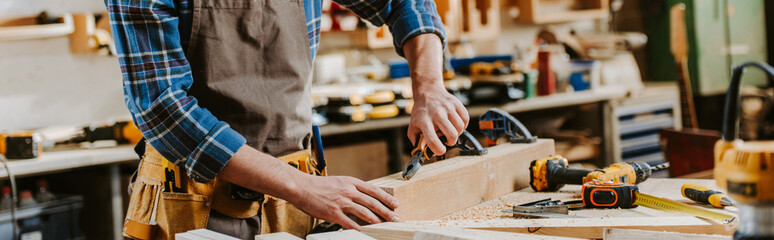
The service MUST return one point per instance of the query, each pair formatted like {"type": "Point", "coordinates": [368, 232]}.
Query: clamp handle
{"type": "Point", "coordinates": [497, 123]}
{"type": "Point", "coordinates": [466, 142]}
{"type": "Point", "coordinates": [469, 146]}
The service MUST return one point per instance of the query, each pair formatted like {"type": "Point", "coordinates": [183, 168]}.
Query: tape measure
{"type": "Point", "coordinates": [609, 195]}
{"type": "Point", "coordinates": [615, 195]}
{"type": "Point", "coordinates": [673, 206]}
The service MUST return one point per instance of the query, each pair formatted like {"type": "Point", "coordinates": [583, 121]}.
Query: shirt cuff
{"type": "Point", "coordinates": [408, 27]}
{"type": "Point", "coordinates": [212, 154]}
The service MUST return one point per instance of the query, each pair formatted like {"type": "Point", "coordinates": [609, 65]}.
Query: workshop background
{"type": "Point", "coordinates": [598, 76]}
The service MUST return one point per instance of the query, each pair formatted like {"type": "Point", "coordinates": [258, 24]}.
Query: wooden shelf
{"type": "Point", "coordinates": [25, 28]}
{"type": "Point", "coordinates": [533, 11]}
{"type": "Point", "coordinates": [56, 161]}
{"type": "Point", "coordinates": [537, 103]}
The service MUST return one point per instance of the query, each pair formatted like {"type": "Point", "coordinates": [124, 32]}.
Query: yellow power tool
{"type": "Point", "coordinates": [123, 132]}
{"type": "Point", "coordinates": [746, 169]}
{"type": "Point", "coordinates": [552, 173]}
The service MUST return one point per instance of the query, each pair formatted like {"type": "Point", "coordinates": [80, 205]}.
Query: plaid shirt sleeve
{"type": "Point", "coordinates": [406, 18]}
{"type": "Point", "coordinates": [156, 76]}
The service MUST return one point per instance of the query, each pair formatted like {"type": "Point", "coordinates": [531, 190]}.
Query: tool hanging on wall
{"type": "Point", "coordinates": [599, 194]}
{"type": "Point", "coordinates": [496, 123]}
{"type": "Point", "coordinates": [467, 144]}
{"type": "Point", "coordinates": [745, 169]}
{"type": "Point", "coordinates": [552, 173]}
{"type": "Point", "coordinates": [679, 46]}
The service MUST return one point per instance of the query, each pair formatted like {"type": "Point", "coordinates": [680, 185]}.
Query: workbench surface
{"type": "Point", "coordinates": [488, 215]}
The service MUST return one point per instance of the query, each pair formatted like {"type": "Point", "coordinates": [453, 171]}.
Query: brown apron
{"type": "Point", "coordinates": [251, 65]}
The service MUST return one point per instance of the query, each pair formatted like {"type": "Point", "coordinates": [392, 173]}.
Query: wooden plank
{"type": "Point", "coordinates": [203, 234]}
{"type": "Point", "coordinates": [475, 235]}
{"type": "Point", "coordinates": [625, 234]}
{"type": "Point", "coordinates": [405, 231]}
{"type": "Point", "coordinates": [451, 185]}
{"type": "Point", "coordinates": [594, 227]}
{"type": "Point", "coordinates": [347, 234]}
{"type": "Point", "coordinates": [488, 215]}
{"type": "Point", "coordinates": [277, 236]}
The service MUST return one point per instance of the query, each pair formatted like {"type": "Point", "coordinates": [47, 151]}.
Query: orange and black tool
{"type": "Point", "coordinates": [609, 195]}
{"type": "Point", "coordinates": [496, 123]}
{"type": "Point", "coordinates": [21, 145]}
{"type": "Point", "coordinates": [123, 132]}
{"type": "Point", "coordinates": [599, 194]}
{"type": "Point", "coordinates": [552, 173]}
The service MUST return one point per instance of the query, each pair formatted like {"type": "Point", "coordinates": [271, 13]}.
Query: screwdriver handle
{"type": "Point", "coordinates": [703, 194]}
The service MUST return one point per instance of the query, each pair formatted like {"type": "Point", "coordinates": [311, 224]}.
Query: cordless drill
{"type": "Point", "coordinates": [552, 173]}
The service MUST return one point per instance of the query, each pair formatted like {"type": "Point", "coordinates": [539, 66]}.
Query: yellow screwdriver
{"type": "Point", "coordinates": [706, 195]}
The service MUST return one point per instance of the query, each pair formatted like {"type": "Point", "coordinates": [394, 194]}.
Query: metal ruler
{"type": "Point", "coordinates": [667, 205]}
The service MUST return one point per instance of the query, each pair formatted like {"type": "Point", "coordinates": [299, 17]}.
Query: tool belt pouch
{"type": "Point", "coordinates": [141, 203]}
{"type": "Point", "coordinates": [181, 212]}
{"type": "Point", "coordinates": [174, 212]}
{"type": "Point", "coordinates": [278, 215]}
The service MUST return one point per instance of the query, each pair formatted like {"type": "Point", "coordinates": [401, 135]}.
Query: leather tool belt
{"type": "Point", "coordinates": [156, 214]}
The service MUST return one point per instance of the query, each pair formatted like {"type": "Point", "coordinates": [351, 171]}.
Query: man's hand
{"type": "Point", "coordinates": [434, 107]}
{"type": "Point", "coordinates": [330, 198]}
{"type": "Point", "coordinates": [335, 198]}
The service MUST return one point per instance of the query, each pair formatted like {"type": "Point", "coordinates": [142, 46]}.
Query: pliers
{"type": "Point", "coordinates": [466, 142]}
{"type": "Point", "coordinates": [419, 154]}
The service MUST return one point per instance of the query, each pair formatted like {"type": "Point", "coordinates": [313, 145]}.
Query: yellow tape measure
{"type": "Point", "coordinates": [667, 205]}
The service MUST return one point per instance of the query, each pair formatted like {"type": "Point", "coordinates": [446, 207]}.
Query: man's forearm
{"type": "Point", "coordinates": [434, 108]}
{"type": "Point", "coordinates": [425, 58]}
{"type": "Point", "coordinates": [334, 198]}
{"type": "Point", "coordinates": [261, 172]}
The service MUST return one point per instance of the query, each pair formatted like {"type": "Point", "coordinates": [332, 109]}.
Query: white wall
{"type": "Point", "coordinates": [43, 84]}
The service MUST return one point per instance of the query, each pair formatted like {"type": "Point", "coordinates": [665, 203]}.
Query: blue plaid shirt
{"type": "Point", "coordinates": [150, 36]}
